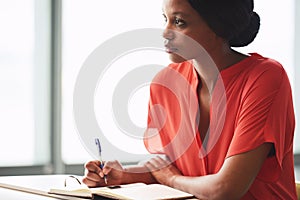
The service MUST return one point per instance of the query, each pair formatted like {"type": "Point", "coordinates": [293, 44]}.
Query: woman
{"type": "Point", "coordinates": [242, 144]}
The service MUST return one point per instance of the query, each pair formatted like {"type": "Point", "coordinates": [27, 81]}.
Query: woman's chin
{"type": "Point", "coordinates": [176, 58]}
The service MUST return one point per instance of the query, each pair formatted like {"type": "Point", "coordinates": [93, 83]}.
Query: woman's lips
{"type": "Point", "coordinates": [170, 49]}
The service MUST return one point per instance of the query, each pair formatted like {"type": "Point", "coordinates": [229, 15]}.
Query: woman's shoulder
{"type": "Point", "coordinates": [184, 69]}
{"type": "Point", "coordinates": [266, 71]}
{"type": "Point", "coordinates": [259, 67]}
{"type": "Point", "coordinates": [262, 63]}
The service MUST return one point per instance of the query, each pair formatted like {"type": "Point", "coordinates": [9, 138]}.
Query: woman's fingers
{"type": "Point", "coordinates": [90, 183]}
{"type": "Point", "coordinates": [156, 163]}
{"type": "Point", "coordinates": [109, 165]}
{"type": "Point", "coordinates": [93, 174]}
{"type": "Point", "coordinates": [112, 172]}
{"type": "Point", "coordinates": [93, 182]}
{"type": "Point", "coordinates": [93, 166]}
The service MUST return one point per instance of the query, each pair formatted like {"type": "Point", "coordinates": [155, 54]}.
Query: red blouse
{"type": "Point", "coordinates": [251, 105]}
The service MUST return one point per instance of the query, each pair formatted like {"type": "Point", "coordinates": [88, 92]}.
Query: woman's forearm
{"type": "Point", "coordinates": [134, 174]}
{"type": "Point", "coordinates": [205, 187]}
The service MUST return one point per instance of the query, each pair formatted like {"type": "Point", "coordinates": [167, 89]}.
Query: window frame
{"type": "Point", "coordinates": [297, 72]}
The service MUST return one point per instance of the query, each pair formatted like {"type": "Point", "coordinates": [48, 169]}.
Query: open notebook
{"type": "Point", "coordinates": [130, 191]}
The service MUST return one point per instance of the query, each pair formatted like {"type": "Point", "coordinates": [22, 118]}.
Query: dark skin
{"type": "Point", "coordinates": [238, 171]}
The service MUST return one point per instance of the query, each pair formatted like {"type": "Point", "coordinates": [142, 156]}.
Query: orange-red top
{"type": "Point", "coordinates": [251, 104]}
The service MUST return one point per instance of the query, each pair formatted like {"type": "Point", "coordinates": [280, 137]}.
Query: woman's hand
{"type": "Point", "coordinates": [162, 170]}
{"type": "Point", "coordinates": [94, 175]}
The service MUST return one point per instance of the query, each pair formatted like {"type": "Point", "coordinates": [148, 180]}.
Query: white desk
{"type": "Point", "coordinates": [8, 194]}
{"type": "Point", "coordinates": [31, 187]}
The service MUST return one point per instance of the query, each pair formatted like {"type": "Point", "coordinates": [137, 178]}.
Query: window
{"type": "Point", "coordinates": [82, 34]}
{"type": "Point", "coordinates": [26, 71]}
{"type": "Point", "coordinates": [24, 82]}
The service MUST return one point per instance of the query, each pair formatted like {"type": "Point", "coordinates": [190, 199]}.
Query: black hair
{"type": "Point", "coordinates": [233, 20]}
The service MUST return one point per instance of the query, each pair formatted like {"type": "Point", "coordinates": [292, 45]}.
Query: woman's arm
{"type": "Point", "coordinates": [137, 173]}
{"type": "Point", "coordinates": [231, 182]}
{"type": "Point", "coordinates": [115, 174]}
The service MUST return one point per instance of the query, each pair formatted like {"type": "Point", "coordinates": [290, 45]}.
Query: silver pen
{"type": "Point", "coordinates": [97, 141]}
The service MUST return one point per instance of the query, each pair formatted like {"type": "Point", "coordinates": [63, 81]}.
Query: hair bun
{"type": "Point", "coordinates": [233, 20]}
{"type": "Point", "coordinates": [246, 36]}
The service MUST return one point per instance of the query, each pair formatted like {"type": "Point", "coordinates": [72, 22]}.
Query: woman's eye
{"type": "Point", "coordinates": [179, 22]}
{"type": "Point", "coordinates": [165, 18]}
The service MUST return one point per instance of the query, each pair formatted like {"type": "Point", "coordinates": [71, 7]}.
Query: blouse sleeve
{"type": "Point", "coordinates": [266, 116]}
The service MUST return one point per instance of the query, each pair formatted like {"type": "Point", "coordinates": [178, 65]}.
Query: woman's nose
{"type": "Point", "coordinates": [168, 34]}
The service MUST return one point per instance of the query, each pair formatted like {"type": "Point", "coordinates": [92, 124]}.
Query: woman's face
{"type": "Point", "coordinates": [187, 34]}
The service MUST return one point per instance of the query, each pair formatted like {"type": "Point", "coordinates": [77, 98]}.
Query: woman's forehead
{"type": "Point", "coordinates": [177, 6]}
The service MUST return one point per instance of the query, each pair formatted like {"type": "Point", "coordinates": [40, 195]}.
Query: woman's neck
{"type": "Point", "coordinates": [209, 67]}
